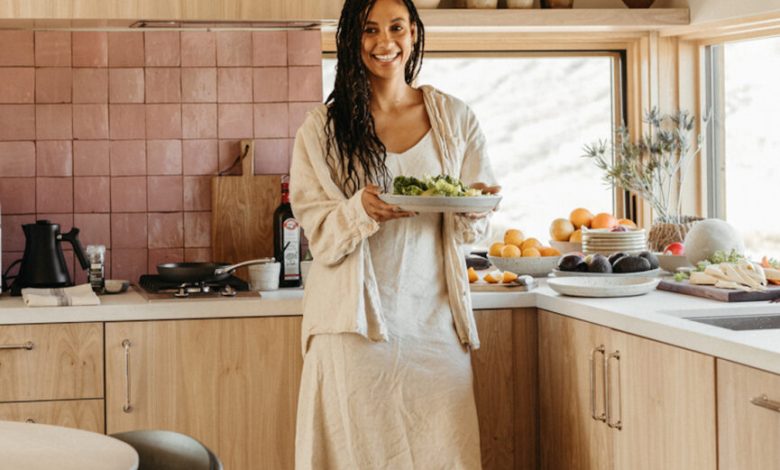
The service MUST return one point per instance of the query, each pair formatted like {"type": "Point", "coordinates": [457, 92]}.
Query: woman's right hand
{"type": "Point", "coordinates": [379, 210]}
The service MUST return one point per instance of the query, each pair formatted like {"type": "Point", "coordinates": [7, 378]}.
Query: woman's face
{"type": "Point", "coordinates": [388, 39]}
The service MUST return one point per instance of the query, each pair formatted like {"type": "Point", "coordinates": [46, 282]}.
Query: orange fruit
{"type": "Point", "coordinates": [473, 276]}
{"type": "Point", "coordinates": [561, 229]}
{"type": "Point", "coordinates": [603, 220]}
{"type": "Point", "coordinates": [627, 222]}
{"type": "Point", "coordinates": [531, 253]}
{"type": "Point", "coordinates": [513, 237]}
{"type": "Point", "coordinates": [508, 276]}
{"type": "Point", "coordinates": [580, 217]}
{"type": "Point", "coordinates": [576, 236]}
{"type": "Point", "coordinates": [549, 251]}
{"type": "Point", "coordinates": [531, 243]}
{"type": "Point", "coordinates": [492, 278]}
{"type": "Point", "coordinates": [510, 251]}
{"type": "Point", "coordinates": [495, 249]}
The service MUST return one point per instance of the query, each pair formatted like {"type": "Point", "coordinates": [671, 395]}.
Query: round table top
{"type": "Point", "coordinates": [42, 446]}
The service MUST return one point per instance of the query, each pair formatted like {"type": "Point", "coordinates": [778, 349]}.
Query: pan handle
{"type": "Point", "coordinates": [233, 267]}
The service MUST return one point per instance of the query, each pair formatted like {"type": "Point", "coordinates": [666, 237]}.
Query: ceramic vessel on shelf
{"type": "Point", "coordinates": [557, 3]}
{"type": "Point", "coordinates": [426, 4]}
{"type": "Point", "coordinates": [519, 3]}
{"type": "Point", "coordinates": [638, 3]}
{"type": "Point", "coordinates": [481, 3]}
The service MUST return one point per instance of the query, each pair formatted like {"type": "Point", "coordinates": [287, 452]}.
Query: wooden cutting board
{"type": "Point", "coordinates": [242, 209]}
{"type": "Point", "coordinates": [716, 293]}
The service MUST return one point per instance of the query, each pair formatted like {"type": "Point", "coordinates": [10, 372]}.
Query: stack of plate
{"type": "Point", "coordinates": [606, 242]}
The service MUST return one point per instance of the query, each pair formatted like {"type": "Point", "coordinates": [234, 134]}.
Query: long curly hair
{"type": "Point", "coordinates": [359, 156]}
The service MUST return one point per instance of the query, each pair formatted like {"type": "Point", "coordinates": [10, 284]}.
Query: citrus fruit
{"type": "Point", "coordinates": [509, 276]}
{"type": "Point", "coordinates": [627, 223]}
{"type": "Point", "coordinates": [603, 220]}
{"type": "Point", "coordinates": [513, 237]}
{"type": "Point", "coordinates": [531, 253]}
{"type": "Point", "coordinates": [561, 229]}
{"type": "Point", "coordinates": [510, 251]}
{"type": "Point", "coordinates": [495, 249]}
{"type": "Point", "coordinates": [549, 251]}
{"type": "Point", "coordinates": [492, 278]}
{"type": "Point", "coordinates": [576, 236]}
{"type": "Point", "coordinates": [580, 217]}
{"type": "Point", "coordinates": [531, 243]}
{"type": "Point", "coordinates": [473, 276]}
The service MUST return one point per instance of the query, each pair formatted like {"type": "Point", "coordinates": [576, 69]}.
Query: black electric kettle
{"type": "Point", "coordinates": [43, 263]}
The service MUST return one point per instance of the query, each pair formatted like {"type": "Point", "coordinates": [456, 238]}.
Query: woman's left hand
{"type": "Point", "coordinates": [485, 190]}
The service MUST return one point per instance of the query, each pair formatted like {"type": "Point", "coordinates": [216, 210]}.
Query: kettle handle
{"type": "Point", "coordinates": [73, 238]}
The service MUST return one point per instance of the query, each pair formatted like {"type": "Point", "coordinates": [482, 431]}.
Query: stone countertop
{"type": "Point", "coordinates": [657, 315]}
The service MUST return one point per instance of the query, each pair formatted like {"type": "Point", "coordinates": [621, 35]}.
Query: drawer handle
{"type": "Point", "coordinates": [593, 413]}
{"type": "Point", "coordinates": [29, 420]}
{"type": "Point", "coordinates": [764, 402]}
{"type": "Point", "coordinates": [619, 423]}
{"type": "Point", "coordinates": [127, 407]}
{"type": "Point", "coordinates": [28, 346]}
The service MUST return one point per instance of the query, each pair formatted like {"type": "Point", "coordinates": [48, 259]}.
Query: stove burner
{"type": "Point", "coordinates": [227, 288]}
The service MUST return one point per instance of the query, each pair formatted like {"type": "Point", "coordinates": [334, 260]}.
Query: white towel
{"type": "Point", "coordinates": [76, 295]}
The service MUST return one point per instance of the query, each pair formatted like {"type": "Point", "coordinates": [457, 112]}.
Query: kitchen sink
{"type": "Point", "coordinates": [742, 322]}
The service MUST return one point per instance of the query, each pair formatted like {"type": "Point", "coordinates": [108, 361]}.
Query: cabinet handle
{"type": "Point", "coordinates": [619, 423]}
{"type": "Point", "coordinates": [593, 414]}
{"type": "Point", "coordinates": [127, 407]}
{"type": "Point", "coordinates": [764, 402]}
{"type": "Point", "coordinates": [28, 346]}
{"type": "Point", "coordinates": [29, 420]}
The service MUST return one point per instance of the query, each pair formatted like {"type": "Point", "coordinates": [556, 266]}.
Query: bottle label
{"type": "Point", "coordinates": [291, 240]}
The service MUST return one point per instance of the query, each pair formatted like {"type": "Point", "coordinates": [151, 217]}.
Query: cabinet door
{"type": "Point", "coordinates": [505, 388]}
{"type": "Point", "coordinates": [80, 414]}
{"type": "Point", "coordinates": [748, 432]}
{"type": "Point", "coordinates": [664, 396]}
{"type": "Point", "coordinates": [230, 383]}
{"type": "Point", "coordinates": [569, 390]}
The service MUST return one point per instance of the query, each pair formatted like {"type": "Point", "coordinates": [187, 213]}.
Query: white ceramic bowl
{"type": "Point", "coordinates": [539, 266]}
{"type": "Point", "coordinates": [566, 247]}
{"type": "Point", "coordinates": [481, 3]}
{"type": "Point", "coordinates": [519, 3]}
{"type": "Point", "coordinates": [670, 263]}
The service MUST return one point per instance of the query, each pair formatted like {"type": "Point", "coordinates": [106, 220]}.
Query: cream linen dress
{"type": "Point", "coordinates": [407, 403]}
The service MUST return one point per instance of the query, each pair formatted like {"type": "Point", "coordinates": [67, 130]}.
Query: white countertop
{"type": "Point", "coordinates": [657, 315]}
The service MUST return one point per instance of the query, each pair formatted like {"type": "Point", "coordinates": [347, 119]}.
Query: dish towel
{"type": "Point", "coordinates": [76, 295]}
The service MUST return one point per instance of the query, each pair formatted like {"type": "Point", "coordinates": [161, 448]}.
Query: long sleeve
{"type": "Point", "coordinates": [335, 225]}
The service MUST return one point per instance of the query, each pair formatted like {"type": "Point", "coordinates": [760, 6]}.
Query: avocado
{"type": "Point", "coordinates": [572, 262]}
{"type": "Point", "coordinates": [631, 264]}
{"type": "Point", "coordinates": [616, 256]}
{"type": "Point", "coordinates": [651, 258]}
{"type": "Point", "coordinates": [599, 263]}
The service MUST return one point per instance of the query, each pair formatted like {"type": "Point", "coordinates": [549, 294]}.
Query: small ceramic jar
{"type": "Point", "coordinates": [557, 3]}
{"type": "Point", "coordinates": [519, 3]}
{"type": "Point", "coordinates": [426, 4]}
{"type": "Point", "coordinates": [481, 3]}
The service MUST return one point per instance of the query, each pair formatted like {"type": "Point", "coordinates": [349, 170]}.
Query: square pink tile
{"type": "Point", "coordinates": [199, 85]}
{"type": "Point", "coordinates": [163, 157]}
{"type": "Point", "coordinates": [53, 121]}
{"type": "Point", "coordinates": [128, 157]}
{"type": "Point", "coordinates": [128, 230]}
{"type": "Point", "coordinates": [234, 121]}
{"type": "Point", "coordinates": [53, 85]}
{"type": "Point", "coordinates": [18, 195]}
{"type": "Point", "coordinates": [91, 158]}
{"type": "Point", "coordinates": [92, 194]}
{"type": "Point", "coordinates": [198, 49]}
{"type": "Point", "coordinates": [197, 193]}
{"type": "Point", "coordinates": [304, 47]}
{"type": "Point", "coordinates": [54, 195]}
{"type": "Point", "coordinates": [271, 120]}
{"type": "Point", "coordinates": [229, 151]}
{"type": "Point", "coordinates": [125, 49]}
{"type": "Point", "coordinates": [270, 48]}
{"type": "Point", "coordinates": [128, 194]}
{"type": "Point", "coordinates": [305, 83]}
{"type": "Point", "coordinates": [270, 84]}
{"type": "Point", "coordinates": [165, 193]}
{"type": "Point", "coordinates": [199, 255]}
{"type": "Point", "coordinates": [18, 48]}
{"type": "Point", "coordinates": [199, 157]}
{"type": "Point", "coordinates": [90, 85]}
{"type": "Point", "coordinates": [54, 158]}
{"type": "Point", "coordinates": [272, 157]}
{"type": "Point", "coordinates": [164, 255]}
{"type": "Point", "coordinates": [298, 115]}
{"type": "Point", "coordinates": [199, 121]}
{"type": "Point", "coordinates": [13, 235]}
{"type": "Point", "coordinates": [127, 121]}
{"type": "Point", "coordinates": [126, 85]}
{"type": "Point", "coordinates": [90, 121]}
{"type": "Point", "coordinates": [129, 263]}
{"type": "Point", "coordinates": [197, 229]}
{"type": "Point", "coordinates": [18, 85]}
{"type": "Point", "coordinates": [166, 230]}
{"type": "Point", "coordinates": [90, 49]}
{"type": "Point", "coordinates": [163, 121]}
{"type": "Point", "coordinates": [163, 85]}
{"type": "Point", "coordinates": [17, 121]}
{"type": "Point", "coordinates": [234, 48]}
{"type": "Point", "coordinates": [52, 49]}
{"type": "Point", "coordinates": [234, 85]}
{"type": "Point", "coordinates": [95, 229]}
{"type": "Point", "coordinates": [17, 159]}
{"type": "Point", "coordinates": [162, 49]}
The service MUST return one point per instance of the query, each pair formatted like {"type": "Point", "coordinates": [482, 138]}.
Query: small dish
{"type": "Point", "coordinates": [671, 263]}
{"type": "Point", "coordinates": [116, 286]}
{"type": "Point", "coordinates": [603, 287]}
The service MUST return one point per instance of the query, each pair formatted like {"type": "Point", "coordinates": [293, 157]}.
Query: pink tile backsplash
{"type": "Point", "coordinates": [120, 133]}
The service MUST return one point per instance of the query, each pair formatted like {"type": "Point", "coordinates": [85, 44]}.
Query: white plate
{"type": "Point", "coordinates": [604, 233]}
{"type": "Point", "coordinates": [603, 287]}
{"type": "Point", "coordinates": [651, 273]}
{"type": "Point", "coordinates": [443, 203]}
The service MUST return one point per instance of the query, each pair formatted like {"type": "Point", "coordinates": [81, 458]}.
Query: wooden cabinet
{"type": "Point", "coordinates": [81, 414]}
{"type": "Point", "coordinates": [609, 400]}
{"type": "Point", "coordinates": [748, 418]}
{"type": "Point", "coordinates": [230, 383]}
{"type": "Point", "coordinates": [505, 388]}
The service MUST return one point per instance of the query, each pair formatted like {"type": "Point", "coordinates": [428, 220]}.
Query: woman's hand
{"type": "Point", "coordinates": [379, 210]}
{"type": "Point", "coordinates": [485, 190]}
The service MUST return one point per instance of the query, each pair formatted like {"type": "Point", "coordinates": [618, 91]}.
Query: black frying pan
{"type": "Point", "coordinates": [202, 272]}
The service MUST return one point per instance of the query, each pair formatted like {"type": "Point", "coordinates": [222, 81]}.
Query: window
{"type": "Point", "coordinates": [537, 113]}
{"type": "Point", "coordinates": [744, 148]}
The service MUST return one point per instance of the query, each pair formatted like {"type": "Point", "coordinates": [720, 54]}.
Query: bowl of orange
{"type": "Point", "coordinates": [522, 255]}
{"type": "Point", "coordinates": [536, 266]}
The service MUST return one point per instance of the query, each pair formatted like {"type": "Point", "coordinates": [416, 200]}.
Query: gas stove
{"type": "Point", "coordinates": [152, 286]}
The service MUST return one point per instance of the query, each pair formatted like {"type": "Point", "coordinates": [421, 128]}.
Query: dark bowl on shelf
{"type": "Point", "coordinates": [638, 3]}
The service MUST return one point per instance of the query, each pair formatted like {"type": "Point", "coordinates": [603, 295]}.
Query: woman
{"type": "Point", "coordinates": [387, 326]}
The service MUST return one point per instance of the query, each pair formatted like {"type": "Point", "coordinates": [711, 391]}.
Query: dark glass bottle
{"type": "Point", "coordinates": [287, 241]}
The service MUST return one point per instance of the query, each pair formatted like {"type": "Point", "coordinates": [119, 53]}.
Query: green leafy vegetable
{"type": "Point", "coordinates": [441, 185]}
